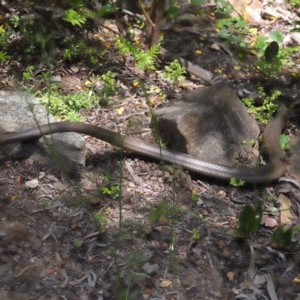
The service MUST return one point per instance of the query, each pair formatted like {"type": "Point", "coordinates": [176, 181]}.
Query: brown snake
{"type": "Point", "coordinates": [273, 170]}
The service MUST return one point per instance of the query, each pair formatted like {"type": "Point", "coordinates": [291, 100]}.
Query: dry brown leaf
{"type": "Point", "coordinates": [286, 215]}
{"type": "Point", "coordinates": [231, 275]}
{"type": "Point", "coordinates": [165, 283]}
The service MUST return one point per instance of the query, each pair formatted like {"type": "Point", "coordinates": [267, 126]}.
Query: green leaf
{"type": "Point", "coordinates": [224, 34]}
{"type": "Point", "coordinates": [250, 218]}
{"type": "Point", "coordinates": [284, 141]}
{"type": "Point", "coordinates": [160, 213]}
{"type": "Point", "coordinates": [240, 24]}
{"type": "Point", "coordinates": [236, 182]}
{"type": "Point", "coordinates": [198, 2]}
{"type": "Point", "coordinates": [277, 36]}
{"type": "Point", "coordinates": [106, 10]}
{"type": "Point", "coordinates": [261, 43]}
{"type": "Point", "coordinates": [75, 3]}
{"type": "Point", "coordinates": [271, 52]}
{"type": "Point", "coordinates": [4, 56]}
{"type": "Point", "coordinates": [74, 17]}
{"type": "Point", "coordinates": [224, 22]}
{"type": "Point", "coordinates": [282, 236]}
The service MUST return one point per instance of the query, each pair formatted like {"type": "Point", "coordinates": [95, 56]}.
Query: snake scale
{"type": "Point", "coordinates": [271, 171]}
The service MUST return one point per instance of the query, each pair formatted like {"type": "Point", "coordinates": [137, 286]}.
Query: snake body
{"type": "Point", "coordinates": [271, 171]}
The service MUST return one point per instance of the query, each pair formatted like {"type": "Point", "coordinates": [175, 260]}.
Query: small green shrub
{"type": "Point", "coordinates": [233, 30]}
{"type": "Point", "coordinates": [75, 17]}
{"type": "Point", "coordinates": [250, 219]}
{"type": "Point", "coordinates": [295, 3]}
{"type": "Point", "coordinates": [4, 56]}
{"type": "Point", "coordinates": [15, 21]}
{"type": "Point", "coordinates": [196, 234]}
{"type": "Point", "coordinates": [66, 107]}
{"type": "Point", "coordinates": [236, 182]}
{"type": "Point", "coordinates": [100, 222]}
{"type": "Point", "coordinates": [282, 237]}
{"type": "Point", "coordinates": [174, 72]}
{"type": "Point", "coordinates": [163, 213]}
{"type": "Point", "coordinates": [159, 214]}
{"type": "Point", "coordinates": [113, 191]}
{"type": "Point", "coordinates": [110, 83]}
{"type": "Point", "coordinates": [264, 112]}
{"type": "Point", "coordinates": [4, 34]}
{"type": "Point", "coordinates": [284, 141]}
{"type": "Point", "coordinates": [77, 243]}
{"type": "Point", "coordinates": [144, 59]}
{"type": "Point", "coordinates": [28, 73]}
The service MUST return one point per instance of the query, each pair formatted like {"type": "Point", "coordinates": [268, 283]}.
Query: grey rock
{"type": "Point", "coordinates": [20, 111]}
{"type": "Point", "coordinates": [210, 123]}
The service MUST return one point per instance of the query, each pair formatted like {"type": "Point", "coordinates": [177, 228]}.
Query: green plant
{"type": "Point", "coordinates": [104, 10]}
{"type": "Point", "coordinates": [4, 34]}
{"type": "Point", "coordinates": [286, 59]}
{"type": "Point", "coordinates": [174, 72]}
{"type": "Point", "coordinates": [15, 21]}
{"type": "Point", "coordinates": [36, 37]}
{"type": "Point", "coordinates": [105, 178]}
{"type": "Point", "coordinates": [271, 56]}
{"type": "Point", "coordinates": [76, 17]}
{"type": "Point", "coordinates": [284, 141]}
{"type": "Point", "coordinates": [47, 204]}
{"type": "Point", "coordinates": [198, 2]}
{"type": "Point", "coordinates": [82, 49]}
{"type": "Point", "coordinates": [233, 30]}
{"type": "Point", "coordinates": [264, 112]}
{"type": "Point", "coordinates": [47, 258]}
{"type": "Point", "coordinates": [4, 56]}
{"type": "Point", "coordinates": [196, 234]}
{"type": "Point", "coordinates": [110, 85]}
{"type": "Point", "coordinates": [113, 191]}
{"type": "Point", "coordinates": [296, 231]}
{"type": "Point", "coordinates": [297, 24]}
{"type": "Point", "coordinates": [131, 273]}
{"type": "Point", "coordinates": [250, 219]}
{"type": "Point", "coordinates": [163, 212]}
{"type": "Point", "coordinates": [101, 222]}
{"type": "Point", "coordinates": [224, 7]}
{"type": "Point", "coordinates": [295, 3]}
{"type": "Point", "coordinates": [271, 52]}
{"type": "Point", "coordinates": [28, 73]}
{"type": "Point", "coordinates": [159, 214]}
{"type": "Point", "coordinates": [236, 32]}
{"type": "Point", "coordinates": [159, 95]}
{"type": "Point", "coordinates": [236, 182]}
{"type": "Point", "coordinates": [66, 107]}
{"type": "Point", "coordinates": [144, 59]}
{"type": "Point", "coordinates": [72, 51]}
{"type": "Point", "coordinates": [282, 237]}
{"type": "Point", "coordinates": [194, 196]}
{"type": "Point", "coordinates": [45, 36]}
{"type": "Point", "coordinates": [77, 243]}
